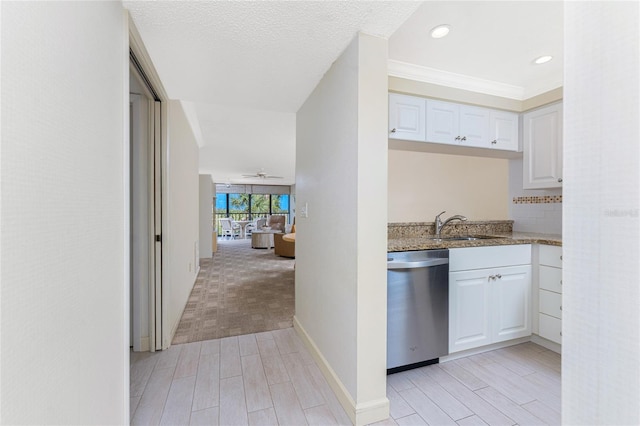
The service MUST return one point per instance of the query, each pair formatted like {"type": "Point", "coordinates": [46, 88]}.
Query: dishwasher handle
{"type": "Point", "coordinates": [426, 263]}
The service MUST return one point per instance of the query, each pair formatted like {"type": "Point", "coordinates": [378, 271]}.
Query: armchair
{"type": "Point", "coordinates": [277, 222]}
{"type": "Point", "coordinates": [284, 248]}
{"type": "Point", "coordinates": [228, 228]}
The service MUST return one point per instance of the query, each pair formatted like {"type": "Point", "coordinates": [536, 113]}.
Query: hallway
{"type": "Point", "coordinates": [240, 291]}
{"type": "Point", "coordinates": [259, 379]}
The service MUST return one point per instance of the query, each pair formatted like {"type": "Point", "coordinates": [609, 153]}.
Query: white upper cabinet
{"type": "Point", "coordinates": [457, 124]}
{"type": "Point", "coordinates": [474, 126]}
{"type": "Point", "coordinates": [442, 122]}
{"type": "Point", "coordinates": [542, 144]}
{"type": "Point", "coordinates": [428, 120]}
{"type": "Point", "coordinates": [503, 127]}
{"type": "Point", "coordinates": [407, 117]}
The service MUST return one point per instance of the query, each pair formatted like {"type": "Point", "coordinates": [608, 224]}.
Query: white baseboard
{"type": "Point", "coordinates": [552, 346]}
{"type": "Point", "coordinates": [359, 414]}
{"type": "Point", "coordinates": [174, 327]}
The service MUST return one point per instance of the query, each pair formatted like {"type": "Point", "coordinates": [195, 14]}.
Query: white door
{"type": "Point", "coordinates": [511, 290]}
{"type": "Point", "coordinates": [146, 216]}
{"type": "Point", "coordinates": [406, 117]}
{"type": "Point", "coordinates": [442, 122]}
{"type": "Point", "coordinates": [140, 216]}
{"type": "Point", "coordinates": [469, 310]}
{"type": "Point", "coordinates": [156, 296]}
{"type": "Point", "coordinates": [474, 126]}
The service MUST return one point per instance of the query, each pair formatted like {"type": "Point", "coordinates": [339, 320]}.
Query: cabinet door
{"type": "Point", "coordinates": [474, 127]}
{"type": "Point", "coordinates": [503, 130]}
{"type": "Point", "coordinates": [442, 122]}
{"type": "Point", "coordinates": [406, 117]}
{"type": "Point", "coordinates": [511, 302]}
{"type": "Point", "coordinates": [543, 148]}
{"type": "Point", "coordinates": [469, 311]}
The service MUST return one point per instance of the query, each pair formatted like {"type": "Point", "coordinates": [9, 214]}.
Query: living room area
{"type": "Point", "coordinates": [247, 284]}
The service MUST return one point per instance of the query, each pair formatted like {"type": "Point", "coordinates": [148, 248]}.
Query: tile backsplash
{"type": "Point", "coordinates": [533, 210]}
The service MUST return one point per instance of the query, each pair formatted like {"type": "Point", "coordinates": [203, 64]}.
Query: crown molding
{"type": "Point", "coordinates": [458, 81]}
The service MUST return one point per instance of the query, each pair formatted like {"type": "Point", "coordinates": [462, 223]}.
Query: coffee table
{"type": "Point", "coordinates": [263, 238]}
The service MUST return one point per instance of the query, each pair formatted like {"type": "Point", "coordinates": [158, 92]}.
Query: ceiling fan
{"type": "Point", "coordinates": [262, 175]}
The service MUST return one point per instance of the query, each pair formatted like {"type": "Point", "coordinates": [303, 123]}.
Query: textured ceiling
{"type": "Point", "coordinates": [260, 55]}
{"type": "Point", "coordinates": [236, 63]}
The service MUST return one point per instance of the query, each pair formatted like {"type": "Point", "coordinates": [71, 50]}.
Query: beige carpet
{"type": "Point", "coordinates": [240, 291]}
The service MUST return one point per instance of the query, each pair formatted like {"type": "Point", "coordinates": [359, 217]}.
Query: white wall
{"type": "Point", "coordinates": [601, 233]}
{"type": "Point", "coordinates": [183, 215]}
{"type": "Point", "coordinates": [64, 278]}
{"type": "Point", "coordinates": [341, 161]}
{"type": "Point", "coordinates": [422, 184]}
{"type": "Point", "coordinates": [534, 217]}
{"type": "Point", "coordinates": [206, 212]}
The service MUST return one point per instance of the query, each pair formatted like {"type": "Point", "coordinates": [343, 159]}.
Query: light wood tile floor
{"type": "Point", "coordinates": [518, 385]}
{"type": "Point", "coordinates": [270, 379]}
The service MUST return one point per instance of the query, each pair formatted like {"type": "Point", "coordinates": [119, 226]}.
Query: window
{"type": "Point", "coordinates": [280, 204]}
{"type": "Point", "coordinates": [250, 206]}
{"type": "Point", "coordinates": [239, 204]}
{"type": "Point", "coordinates": [260, 204]}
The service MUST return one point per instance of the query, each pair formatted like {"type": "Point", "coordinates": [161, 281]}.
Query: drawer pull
{"type": "Point", "coordinates": [560, 307]}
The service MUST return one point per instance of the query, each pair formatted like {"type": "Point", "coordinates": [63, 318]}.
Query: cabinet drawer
{"type": "Point", "coordinates": [550, 328]}
{"type": "Point", "coordinates": [551, 279]}
{"type": "Point", "coordinates": [551, 256]}
{"type": "Point", "coordinates": [551, 303]}
{"type": "Point", "coordinates": [463, 259]}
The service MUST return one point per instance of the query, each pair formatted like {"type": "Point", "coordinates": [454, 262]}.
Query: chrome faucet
{"type": "Point", "coordinates": [440, 224]}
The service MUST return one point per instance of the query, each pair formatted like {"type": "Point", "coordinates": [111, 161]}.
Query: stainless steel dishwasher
{"type": "Point", "coordinates": [417, 308]}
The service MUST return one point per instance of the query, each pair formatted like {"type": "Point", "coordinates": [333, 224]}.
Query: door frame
{"type": "Point", "coordinates": [140, 58]}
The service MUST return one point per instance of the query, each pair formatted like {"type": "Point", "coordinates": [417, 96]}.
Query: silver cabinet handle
{"type": "Point", "coordinates": [560, 180]}
{"type": "Point", "coordinates": [499, 276]}
{"type": "Point", "coordinates": [457, 138]}
{"type": "Point", "coordinates": [464, 138]}
{"type": "Point", "coordinates": [495, 141]}
{"type": "Point", "coordinates": [393, 130]}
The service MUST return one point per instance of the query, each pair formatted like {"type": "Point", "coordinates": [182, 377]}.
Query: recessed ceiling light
{"type": "Point", "coordinates": [440, 31]}
{"type": "Point", "coordinates": [543, 59]}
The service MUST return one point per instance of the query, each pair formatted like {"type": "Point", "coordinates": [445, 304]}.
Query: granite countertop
{"type": "Point", "coordinates": [424, 243]}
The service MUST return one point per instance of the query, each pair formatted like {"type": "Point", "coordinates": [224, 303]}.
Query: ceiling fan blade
{"type": "Point", "coordinates": [274, 177]}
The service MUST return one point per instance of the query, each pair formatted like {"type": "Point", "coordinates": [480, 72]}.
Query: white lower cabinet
{"type": "Point", "coordinates": [550, 293]}
{"type": "Point", "coordinates": [489, 304]}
